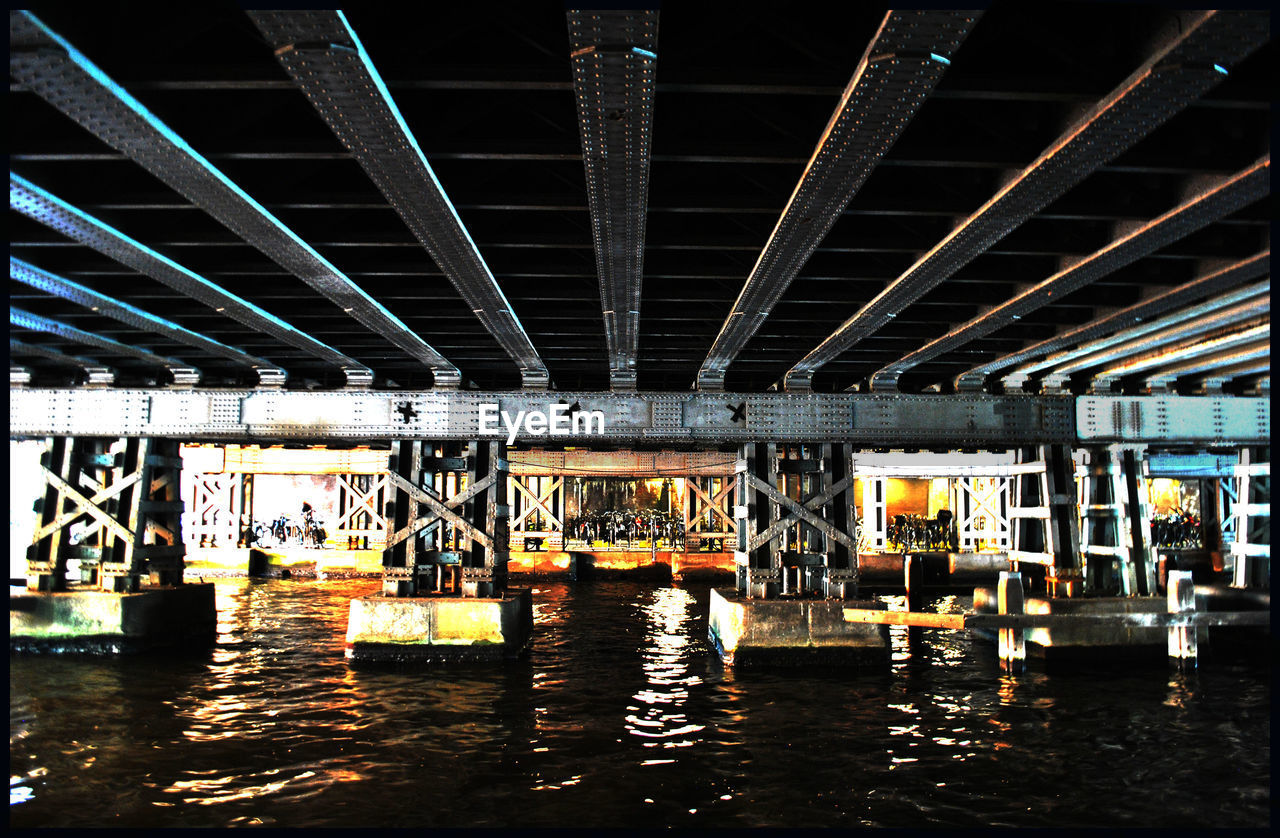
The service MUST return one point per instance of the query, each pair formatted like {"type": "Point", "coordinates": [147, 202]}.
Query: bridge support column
{"type": "Point", "coordinates": [797, 562]}
{"type": "Point", "coordinates": [1116, 524]}
{"type": "Point", "coordinates": [1252, 513]}
{"type": "Point", "coordinates": [444, 590]}
{"type": "Point", "coordinates": [112, 506]}
{"type": "Point", "coordinates": [1045, 520]}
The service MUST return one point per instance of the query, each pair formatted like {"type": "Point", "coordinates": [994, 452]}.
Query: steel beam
{"type": "Point", "coordinates": [323, 55]}
{"type": "Point", "coordinates": [1214, 282]}
{"type": "Point", "coordinates": [1214, 371]}
{"type": "Point", "coordinates": [1234, 310]}
{"type": "Point", "coordinates": [58, 73]}
{"type": "Point", "coordinates": [1208, 206]}
{"type": "Point", "coordinates": [182, 372]}
{"type": "Point", "coordinates": [690, 419]}
{"type": "Point", "coordinates": [1251, 338]}
{"type": "Point", "coordinates": [614, 55]}
{"type": "Point", "coordinates": [898, 71]}
{"type": "Point", "coordinates": [53, 212]}
{"type": "Point", "coordinates": [1183, 420]}
{"type": "Point", "coordinates": [1193, 61]}
{"type": "Point", "coordinates": [98, 374]}
{"type": "Point", "coordinates": [28, 274]}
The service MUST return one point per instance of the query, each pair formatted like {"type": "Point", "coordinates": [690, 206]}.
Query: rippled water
{"type": "Point", "coordinates": [619, 716]}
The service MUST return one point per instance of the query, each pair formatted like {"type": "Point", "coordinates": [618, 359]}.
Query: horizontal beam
{"type": "Point", "coordinates": [1191, 63]}
{"type": "Point", "coordinates": [899, 69]}
{"type": "Point", "coordinates": [614, 58]}
{"type": "Point", "coordinates": [1125, 619]}
{"type": "Point", "coordinates": [1215, 281]}
{"type": "Point", "coordinates": [693, 419]}
{"type": "Point", "coordinates": [697, 420]}
{"type": "Point", "coordinates": [57, 286]}
{"type": "Point", "coordinates": [53, 212]}
{"type": "Point", "coordinates": [182, 372]}
{"type": "Point", "coordinates": [66, 79]}
{"type": "Point", "coordinates": [1192, 215]}
{"type": "Point", "coordinates": [324, 56]}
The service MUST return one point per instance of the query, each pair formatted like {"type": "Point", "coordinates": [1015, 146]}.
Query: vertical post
{"type": "Point", "coordinates": [913, 578]}
{"type": "Point", "coordinates": [1183, 645]}
{"type": "Point", "coordinates": [1012, 641]}
{"type": "Point", "coordinates": [398, 559]}
{"type": "Point", "coordinates": [46, 560]}
{"type": "Point", "coordinates": [1138, 516]}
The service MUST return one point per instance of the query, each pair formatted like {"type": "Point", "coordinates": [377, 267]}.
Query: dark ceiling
{"type": "Point", "coordinates": [742, 98]}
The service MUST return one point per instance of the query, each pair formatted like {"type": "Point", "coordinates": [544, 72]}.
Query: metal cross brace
{"type": "Point", "coordinates": [800, 513]}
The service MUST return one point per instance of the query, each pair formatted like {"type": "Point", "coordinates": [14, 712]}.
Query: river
{"type": "Point", "coordinates": [620, 716]}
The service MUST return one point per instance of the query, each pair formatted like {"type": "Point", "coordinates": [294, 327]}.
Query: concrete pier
{"type": "Point", "coordinates": [1089, 639]}
{"type": "Point", "coordinates": [439, 629]}
{"type": "Point", "coordinates": [793, 631]}
{"type": "Point", "coordinates": [102, 622]}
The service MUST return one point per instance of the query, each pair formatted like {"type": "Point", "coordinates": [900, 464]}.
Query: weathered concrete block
{"type": "Point", "coordinates": [1044, 641]}
{"type": "Point", "coordinates": [382, 628]}
{"type": "Point", "coordinates": [101, 622]}
{"type": "Point", "coordinates": [793, 631]}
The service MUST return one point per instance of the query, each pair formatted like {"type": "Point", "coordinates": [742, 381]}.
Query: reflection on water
{"type": "Point", "coordinates": [619, 716]}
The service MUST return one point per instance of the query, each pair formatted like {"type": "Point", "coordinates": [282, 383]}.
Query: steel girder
{"type": "Point", "coordinates": [1216, 370]}
{"type": "Point", "coordinates": [898, 71]}
{"type": "Point", "coordinates": [1253, 337]}
{"type": "Point", "coordinates": [28, 274]}
{"type": "Point", "coordinates": [58, 73]}
{"type": "Point", "coordinates": [1176, 420]}
{"type": "Point", "coordinates": [1216, 281]}
{"type": "Point", "coordinates": [53, 212]}
{"type": "Point", "coordinates": [1208, 206]}
{"type": "Point", "coordinates": [182, 372]}
{"type": "Point", "coordinates": [1195, 60]}
{"type": "Point", "coordinates": [98, 374]}
{"type": "Point", "coordinates": [691, 419]}
{"type": "Point", "coordinates": [323, 55]}
{"type": "Point", "coordinates": [1227, 311]}
{"type": "Point", "coordinates": [614, 56]}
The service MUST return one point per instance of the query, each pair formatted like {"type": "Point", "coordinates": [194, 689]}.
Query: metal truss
{"type": "Point", "coordinates": [98, 374]}
{"type": "Point", "coordinates": [1168, 335]}
{"type": "Point", "coordinates": [1208, 206]}
{"type": "Point", "coordinates": [182, 372]}
{"type": "Point", "coordinates": [43, 280]}
{"type": "Point", "coordinates": [1197, 58]}
{"type": "Point", "coordinates": [614, 56]}
{"type": "Point", "coordinates": [58, 73]}
{"type": "Point", "coordinates": [1214, 282]}
{"type": "Point", "coordinates": [900, 68]}
{"type": "Point", "coordinates": [53, 212]}
{"type": "Point", "coordinates": [323, 55]}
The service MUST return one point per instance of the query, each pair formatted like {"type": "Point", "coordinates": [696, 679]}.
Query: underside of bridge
{"type": "Point", "coordinates": [1022, 250]}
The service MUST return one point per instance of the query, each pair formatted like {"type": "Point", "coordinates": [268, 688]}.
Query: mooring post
{"type": "Point", "coordinates": [913, 573]}
{"type": "Point", "coordinates": [1183, 647]}
{"type": "Point", "coordinates": [1012, 642]}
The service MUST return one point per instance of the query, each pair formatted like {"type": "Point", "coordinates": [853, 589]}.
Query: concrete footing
{"type": "Point", "coordinates": [100, 622]}
{"type": "Point", "coordinates": [1092, 641]}
{"type": "Point", "coordinates": [793, 631]}
{"type": "Point", "coordinates": [439, 629]}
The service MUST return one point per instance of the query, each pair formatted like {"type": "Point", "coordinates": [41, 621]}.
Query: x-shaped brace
{"type": "Point", "coordinates": [441, 509]}
{"type": "Point", "coordinates": [362, 500]}
{"type": "Point", "coordinates": [539, 502]}
{"type": "Point", "coordinates": [801, 513]}
{"type": "Point", "coordinates": [708, 502]}
{"type": "Point", "coordinates": [87, 506]}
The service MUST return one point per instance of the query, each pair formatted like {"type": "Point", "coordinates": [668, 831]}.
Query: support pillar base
{"type": "Point", "coordinates": [439, 629]}
{"type": "Point", "coordinates": [105, 623]}
{"type": "Point", "coordinates": [794, 631]}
